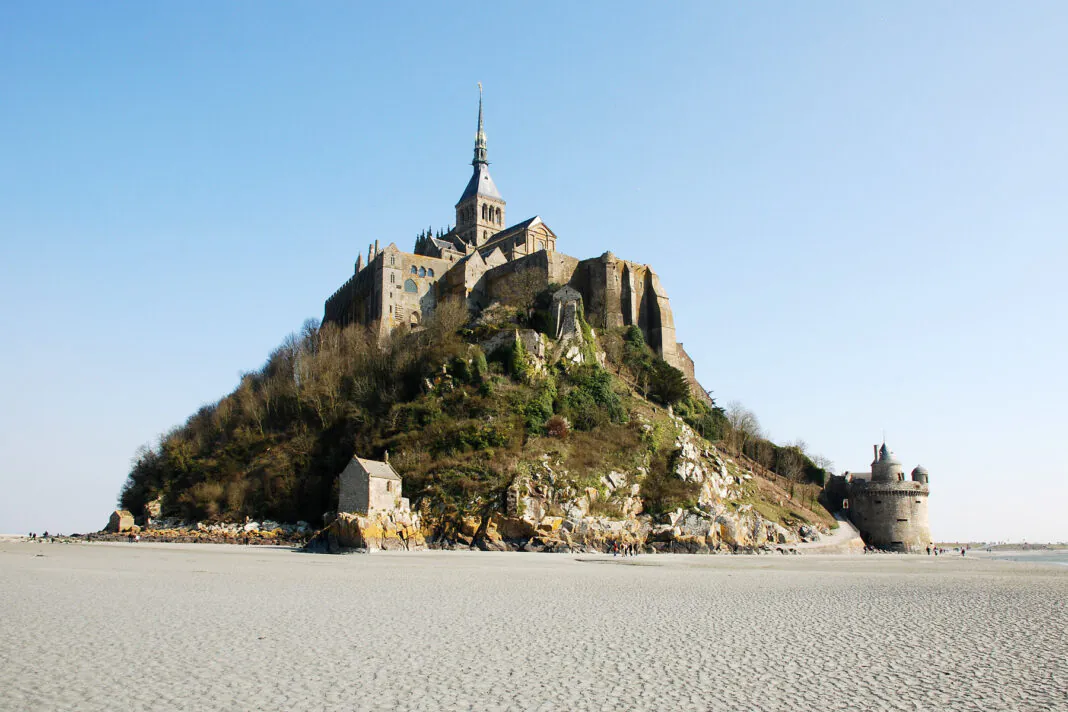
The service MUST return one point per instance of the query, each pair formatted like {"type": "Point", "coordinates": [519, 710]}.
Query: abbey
{"type": "Point", "coordinates": [482, 257]}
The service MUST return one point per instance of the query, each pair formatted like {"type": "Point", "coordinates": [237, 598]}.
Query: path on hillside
{"type": "Point", "coordinates": [843, 540]}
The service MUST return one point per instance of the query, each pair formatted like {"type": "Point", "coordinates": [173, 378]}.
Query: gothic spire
{"type": "Point", "coordinates": [480, 137]}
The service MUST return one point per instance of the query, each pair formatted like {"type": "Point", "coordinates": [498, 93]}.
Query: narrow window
{"type": "Point", "coordinates": [414, 270]}
{"type": "Point", "coordinates": [422, 271]}
{"type": "Point", "coordinates": [430, 272]}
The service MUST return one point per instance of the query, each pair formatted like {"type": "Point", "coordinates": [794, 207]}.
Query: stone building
{"type": "Point", "coordinates": [889, 511]}
{"type": "Point", "coordinates": [368, 486]}
{"type": "Point", "coordinates": [481, 256]}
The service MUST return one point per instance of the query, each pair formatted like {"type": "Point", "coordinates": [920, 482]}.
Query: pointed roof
{"type": "Point", "coordinates": [481, 183]}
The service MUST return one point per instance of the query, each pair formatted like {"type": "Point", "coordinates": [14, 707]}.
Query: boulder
{"type": "Point", "coordinates": [512, 528]}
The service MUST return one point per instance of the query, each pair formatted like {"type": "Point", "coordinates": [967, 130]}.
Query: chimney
{"type": "Point", "coordinates": [370, 255]}
{"type": "Point", "coordinates": [376, 248]}
{"type": "Point", "coordinates": [875, 448]}
{"type": "Point", "coordinates": [359, 263]}
{"type": "Point", "coordinates": [385, 457]}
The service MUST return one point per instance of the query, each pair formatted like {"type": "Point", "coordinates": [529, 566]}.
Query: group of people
{"type": "Point", "coordinates": [936, 550]}
{"type": "Point", "coordinates": [42, 537]}
{"type": "Point", "coordinates": [624, 549]}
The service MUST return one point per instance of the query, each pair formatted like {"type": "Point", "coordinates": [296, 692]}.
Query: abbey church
{"type": "Point", "coordinates": [475, 261]}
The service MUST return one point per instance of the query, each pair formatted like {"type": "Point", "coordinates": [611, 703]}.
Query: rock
{"type": "Point", "coordinates": [252, 527]}
{"type": "Point", "coordinates": [153, 509]}
{"type": "Point", "coordinates": [389, 531]}
{"type": "Point", "coordinates": [511, 528]}
{"type": "Point", "coordinates": [121, 520]}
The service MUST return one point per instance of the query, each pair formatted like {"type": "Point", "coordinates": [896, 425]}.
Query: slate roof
{"type": "Point", "coordinates": [443, 244]}
{"type": "Point", "coordinates": [480, 184]}
{"type": "Point", "coordinates": [377, 468]}
{"type": "Point", "coordinates": [518, 226]}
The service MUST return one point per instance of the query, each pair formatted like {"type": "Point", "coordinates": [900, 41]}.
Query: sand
{"type": "Point", "coordinates": [198, 627]}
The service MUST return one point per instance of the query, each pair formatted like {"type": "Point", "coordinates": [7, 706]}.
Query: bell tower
{"type": "Point", "coordinates": [480, 212]}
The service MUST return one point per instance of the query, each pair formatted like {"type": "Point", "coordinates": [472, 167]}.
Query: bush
{"type": "Point", "coordinates": [557, 427]}
{"type": "Point", "coordinates": [591, 399]}
{"type": "Point", "coordinates": [662, 491]}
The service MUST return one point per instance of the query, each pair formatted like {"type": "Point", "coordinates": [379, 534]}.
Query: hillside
{"type": "Point", "coordinates": [491, 422]}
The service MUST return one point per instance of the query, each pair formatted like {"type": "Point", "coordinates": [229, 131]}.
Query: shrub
{"type": "Point", "coordinates": [557, 427]}
{"type": "Point", "coordinates": [591, 399]}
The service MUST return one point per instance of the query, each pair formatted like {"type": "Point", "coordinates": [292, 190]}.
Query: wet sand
{"type": "Point", "coordinates": [200, 627]}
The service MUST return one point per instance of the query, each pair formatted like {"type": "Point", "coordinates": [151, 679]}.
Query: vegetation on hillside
{"type": "Point", "coordinates": [460, 424]}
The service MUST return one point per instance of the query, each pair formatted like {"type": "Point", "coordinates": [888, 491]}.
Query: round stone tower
{"type": "Point", "coordinates": [889, 511]}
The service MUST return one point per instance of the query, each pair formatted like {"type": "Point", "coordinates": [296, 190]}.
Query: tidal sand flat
{"type": "Point", "coordinates": [188, 627]}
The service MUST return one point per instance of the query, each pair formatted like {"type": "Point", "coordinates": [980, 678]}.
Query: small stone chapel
{"type": "Point", "coordinates": [368, 486]}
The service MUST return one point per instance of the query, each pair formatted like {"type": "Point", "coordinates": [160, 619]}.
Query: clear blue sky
{"type": "Point", "coordinates": [859, 210]}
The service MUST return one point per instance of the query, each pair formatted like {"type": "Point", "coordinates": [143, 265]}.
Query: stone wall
{"type": "Point", "coordinates": [385, 495]}
{"type": "Point", "coordinates": [353, 493]}
{"type": "Point", "coordinates": [891, 515]}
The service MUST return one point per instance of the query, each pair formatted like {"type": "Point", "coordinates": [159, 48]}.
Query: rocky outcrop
{"type": "Point", "coordinates": [378, 531]}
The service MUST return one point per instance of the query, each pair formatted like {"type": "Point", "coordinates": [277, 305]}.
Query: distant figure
{"type": "Point", "coordinates": [962, 550]}
{"type": "Point", "coordinates": [46, 534]}
{"type": "Point", "coordinates": [928, 550]}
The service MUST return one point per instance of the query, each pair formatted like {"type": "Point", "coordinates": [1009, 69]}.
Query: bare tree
{"type": "Point", "coordinates": [744, 425]}
{"type": "Point", "coordinates": [825, 463]}
{"type": "Point", "coordinates": [790, 462]}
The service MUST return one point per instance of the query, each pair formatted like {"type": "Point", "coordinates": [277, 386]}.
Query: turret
{"type": "Point", "coordinates": [919, 474]}
{"type": "Point", "coordinates": [887, 468]}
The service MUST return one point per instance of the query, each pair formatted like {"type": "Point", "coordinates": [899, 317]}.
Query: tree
{"type": "Point", "coordinates": [790, 462]}
{"type": "Point", "coordinates": [744, 425]}
{"type": "Point", "coordinates": [824, 463]}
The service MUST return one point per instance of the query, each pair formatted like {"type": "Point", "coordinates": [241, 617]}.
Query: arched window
{"type": "Point", "coordinates": [413, 319]}
{"type": "Point", "coordinates": [429, 271]}
{"type": "Point", "coordinates": [483, 211]}
{"type": "Point", "coordinates": [414, 270]}
{"type": "Point", "coordinates": [410, 287]}
{"type": "Point", "coordinates": [422, 271]}
{"type": "Point", "coordinates": [498, 216]}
